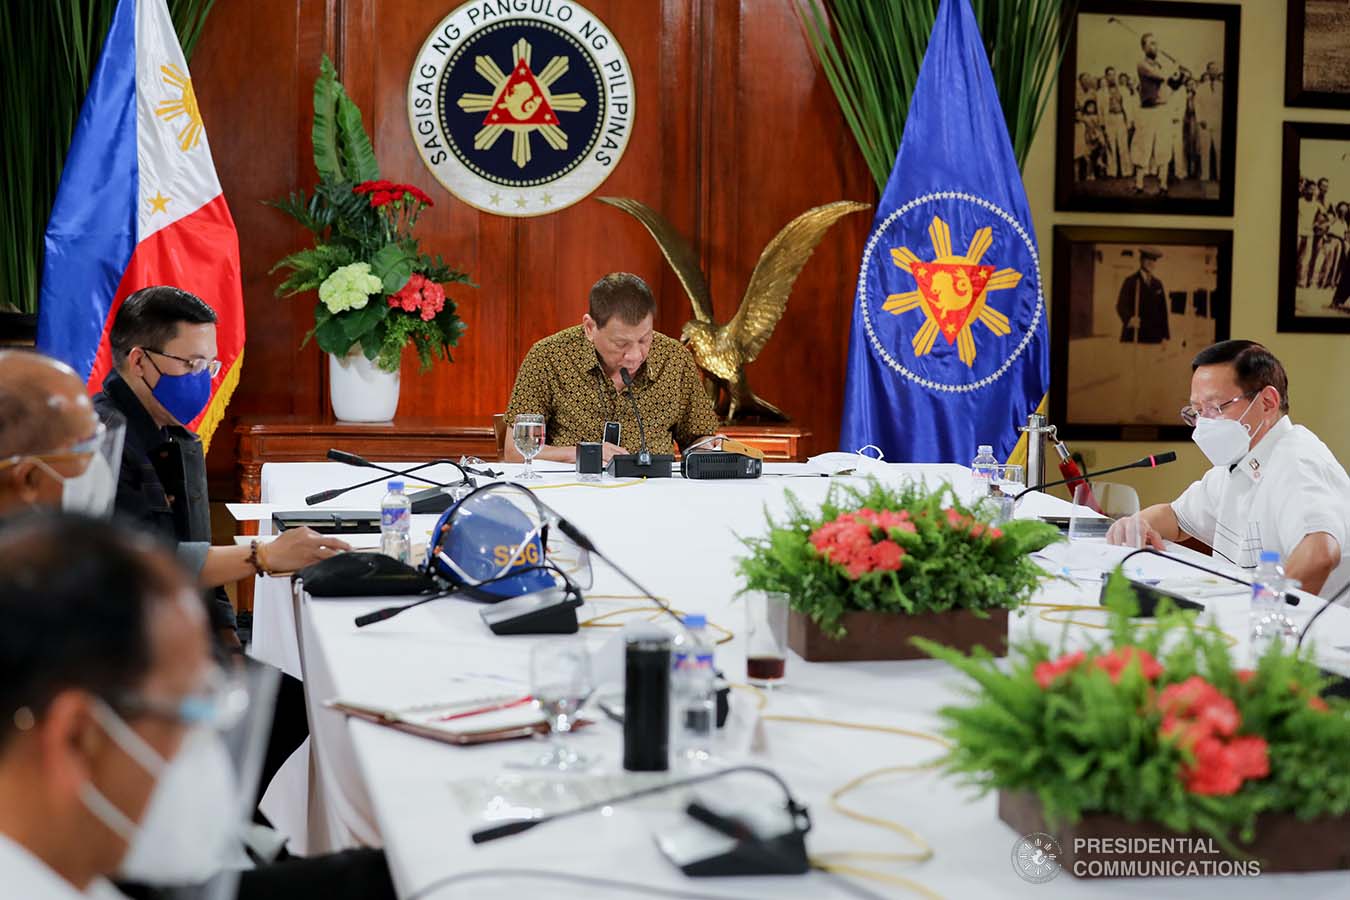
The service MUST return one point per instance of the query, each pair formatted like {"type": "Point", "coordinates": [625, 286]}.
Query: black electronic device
{"type": "Point", "coordinates": [433, 500]}
{"type": "Point", "coordinates": [364, 574]}
{"type": "Point", "coordinates": [630, 465]}
{"type": "Point", "coordinates": [749, 850]}
{"type": "Point", "coordinates": [1290, 599]}
{"type": "Point", "coordinates": [590, 458]}
{"type": "Point", "coordinates": [1148, 462]}
{"type": "Point", "coordinates": [544, 612]}
{"type": "Point", "coordinates": [337, 522]}
{"type": "Point", "coordinates": [613, 433]}
{"type": "Point", "coordinates": [719, 464]}
{"type": "Point", "coordinates": [644, 463]}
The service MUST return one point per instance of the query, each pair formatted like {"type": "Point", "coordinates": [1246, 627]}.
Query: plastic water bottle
{"type": "Point", "coordinates": [396, 523]}
{"type": "Point", "coordinates": [1266, 616]}
{"type": "Point", "coordinates": [694, 690]}
{"type": "Point", "coordinates": [982, 470]}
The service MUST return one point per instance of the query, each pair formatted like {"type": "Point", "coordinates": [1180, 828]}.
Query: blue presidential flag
{"type": "Point", "coordinates": [949, 344]}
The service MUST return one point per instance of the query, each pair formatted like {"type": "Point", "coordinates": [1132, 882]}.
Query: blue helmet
{"type": "Point", "coordinates": [482, 539]}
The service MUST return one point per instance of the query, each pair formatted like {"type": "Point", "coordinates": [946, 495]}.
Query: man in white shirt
{"type": "Point", "coordinates": [1209, 119]}
{"type": "Point", "coordinates": [101, 651]}
{"type": "Point", "coordinates": [1274, 485]}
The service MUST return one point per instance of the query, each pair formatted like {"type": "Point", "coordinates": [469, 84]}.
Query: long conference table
{"type": "Point", "coordinates": [356, 782]}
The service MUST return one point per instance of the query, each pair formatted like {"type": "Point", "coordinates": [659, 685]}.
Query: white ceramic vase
{"type": "Point", "coordinates": [360, 390]}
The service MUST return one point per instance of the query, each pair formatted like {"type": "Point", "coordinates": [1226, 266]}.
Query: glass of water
{"type": "Point", "coordinates": [527, 432]}
{"type": "Point", "coordinates": [1005, 483]}
{"type": "Point", "coordinates": [560, 681]}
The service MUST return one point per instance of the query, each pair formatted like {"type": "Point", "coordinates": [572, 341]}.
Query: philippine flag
{"type": "Point", "coordinates": [139, 204]}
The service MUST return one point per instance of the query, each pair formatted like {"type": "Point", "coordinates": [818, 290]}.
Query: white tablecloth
{"type": "Point", "coordinates": [681, 539]}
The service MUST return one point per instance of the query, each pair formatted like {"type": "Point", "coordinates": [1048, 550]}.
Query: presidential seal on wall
{"type": "Point", "coordinates": [521, 107]}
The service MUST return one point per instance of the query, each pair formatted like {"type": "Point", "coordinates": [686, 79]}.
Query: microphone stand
{"type": "Point", "coordinates": [352, 459]}
{"type": "Point", "coordinates": [1148, 462]}
{"type": "Point", "coordinates": [644, 456]}
{"type": "Point", "coordinates": [1315, 616]}
{"type": "Point", "coordinates": [780, 855]}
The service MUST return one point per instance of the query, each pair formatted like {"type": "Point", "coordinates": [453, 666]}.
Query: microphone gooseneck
{"type": "Point", "coordinates": [801, 819]}
{"type": "Point", "coordinates": [1290, 599]}
{"type": "Point", "coordinates": [1315, 616]}
{"type": "Point", "coordinates": [352, 459]}
{"type": "Point", "coordinates": [1148, 462]}
{"type": "Point", "coordinates": [644, 455]}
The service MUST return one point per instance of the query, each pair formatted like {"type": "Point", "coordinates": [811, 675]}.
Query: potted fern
{"type": "Point", "coordinates": [1151, 753]}
{"type": "Point", "coordinates": [377, 291]}
{"type": "Point", "coordinates": [878, 565]}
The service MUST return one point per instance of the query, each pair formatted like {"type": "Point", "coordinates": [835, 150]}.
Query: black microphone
{"type": "Point", "coordinates": [776, 855]}
{"type": "Point", "coordinates": [1148, 462]}
{"type": "Point", "coordinates": [1152, 551]}
{"type": "Point", "coordinates": [352, 459]}
{"type": "Point", "coordinates": [644, 456]}
{"type": "Point", "coordinates": [1329, 604]}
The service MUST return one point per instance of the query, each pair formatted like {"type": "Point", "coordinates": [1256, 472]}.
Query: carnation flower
{"type": "Point", "coordinates": [1046, 672]}
{"type": "Point", "coordinates": [1114, 663]}
{"type": "Point", "coordinates": [349, 287]}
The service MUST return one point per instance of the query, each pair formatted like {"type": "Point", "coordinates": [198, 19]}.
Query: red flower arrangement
{"type": "Point", "coordinates": [863, 541]}
{"type": "Point", "coordinates": [1195, 714]}
{"type": "Point", "coordinates": [382, 192]}
{"type": "Point", "coordinates": [420, 295]}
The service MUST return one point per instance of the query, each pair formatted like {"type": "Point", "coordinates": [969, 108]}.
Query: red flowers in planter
{"type": "Point", "coordinates": [422, 294]}
{"type": "Point", "coordinates": [1205, 722]}
{"type": "Point", "coordinates": [384, 192]}
{"type": "Point", "coordinates": [1195, 714]}
{"type": "Point", "coordinates": [862, 541]}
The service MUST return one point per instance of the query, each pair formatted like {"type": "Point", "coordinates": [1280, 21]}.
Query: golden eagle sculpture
{"type": "Point", "coordinates": [723, 351]}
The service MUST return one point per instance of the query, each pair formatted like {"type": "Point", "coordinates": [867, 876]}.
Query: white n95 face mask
{"type": "Point", "coordinates": [92, 492]}
{"type": "Point", "coordinates": [190, 830]}
{"type": "Point", "coordinates": [1223, 441]}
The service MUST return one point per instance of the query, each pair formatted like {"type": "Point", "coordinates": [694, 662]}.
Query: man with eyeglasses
{"type": "Point", "coordinates": [164, 357]}
{"type": "Point", "coordinates": [54, 451]}
{"type": "Point", "coordinates": [112, 716]}
{"type": "Point", "coordinates": [99, 653]}
{"type": "Point", "coordinates": [1274, 485]}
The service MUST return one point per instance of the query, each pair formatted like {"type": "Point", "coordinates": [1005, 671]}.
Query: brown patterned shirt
{"type": "Point", "coordinates": [563, 380]}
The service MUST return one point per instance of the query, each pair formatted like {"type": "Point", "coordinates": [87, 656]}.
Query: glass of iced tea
{"type": "Point", "coordinates": [766, 624]}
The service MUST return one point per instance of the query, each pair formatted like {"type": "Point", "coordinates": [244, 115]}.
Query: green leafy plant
{"type": "Point", "coordinates": [1153, 724]}
{"type": "Point", "coordinates": [377, 289]}
{"type": "Point", "coordinates": [871, 51]}
{"type": "Point", "coordinates": [48, 51]}
{"type": "Point", "coordinates": [903, 550]}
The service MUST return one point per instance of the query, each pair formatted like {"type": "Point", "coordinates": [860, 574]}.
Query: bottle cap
{"type": "Point", "coordinates": [395, 485]}
{"type": "Point", "coordinates": [695, 620]}
{"type": "Point", "coordinates": [1270, 556]}
{"type": "Point", "coordinates": [985, 449]}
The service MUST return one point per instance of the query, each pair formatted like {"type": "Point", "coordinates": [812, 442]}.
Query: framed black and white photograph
{"type": "Point", "coordinates": [1147, 109]}
{"type": "Point", "coordinates": [1314, 286]}
{"type": "Point", "coordinates": [1317, 54]}
{"type": "Point", "coordinates": [1132, 307]}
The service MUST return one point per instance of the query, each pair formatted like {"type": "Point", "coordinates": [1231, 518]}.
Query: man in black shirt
{"type": "Point", "coordinates": [164, 357]}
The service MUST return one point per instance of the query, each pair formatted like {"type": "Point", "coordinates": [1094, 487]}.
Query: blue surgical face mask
{"type": "Point", "coordinates": [184, 396]}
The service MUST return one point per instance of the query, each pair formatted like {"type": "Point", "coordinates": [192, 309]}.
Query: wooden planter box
{"type": "Point", "coordinates": [876, 635]}
{"type": "Point", "coordinates": [1283, 843]}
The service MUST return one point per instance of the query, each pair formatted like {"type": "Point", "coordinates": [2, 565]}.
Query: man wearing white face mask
{"type": "Point", "coordinates": [54, 452]}
{"type": "Point", "coordinates": [1274, 485]}
{"type": "Point", "coordinates": [108, 763]}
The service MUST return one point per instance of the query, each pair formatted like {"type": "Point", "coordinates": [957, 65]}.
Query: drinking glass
{"type": "Point", "coordinates": [1005, 482]}
{"type": "Point", "coordinates": [560, 680]}
{"type": "Point", "coordinates": [1101, 506]}
{"type": "Point", "coordinates": [527, 431]}
{"type": "Point", "coordinates": [766, 623]}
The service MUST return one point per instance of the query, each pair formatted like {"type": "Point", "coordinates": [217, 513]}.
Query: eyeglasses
{"type": "Point", "coordinates": [1190, 414]}
{"type": "Point", "coordinates": [220, 704]}
{"type": "Point", "coordinates": [196, 365]}
{"type": "Point", "coordinates": [85, 447]}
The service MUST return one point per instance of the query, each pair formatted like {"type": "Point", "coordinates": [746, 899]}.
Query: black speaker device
{"type": "Point", "coordinates": [590, 458]}
{"type": "Point", "coordinates": [542, 612]}
{"type": "Point", "coordinates": [629, 465]}
{"type": "Point", "coordinates": [719, 464]}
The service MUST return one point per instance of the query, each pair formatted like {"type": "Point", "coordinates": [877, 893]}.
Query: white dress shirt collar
{"type": "Point", "coordinates": [1250, 465]}
{"type": "Point", "coordinates": [28, 877]}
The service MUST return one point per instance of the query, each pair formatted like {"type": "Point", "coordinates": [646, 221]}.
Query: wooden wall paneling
{"type": "Point", "coordinates": [778, 145]}
{"type": "Point", "coordinates": [253, 74]}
